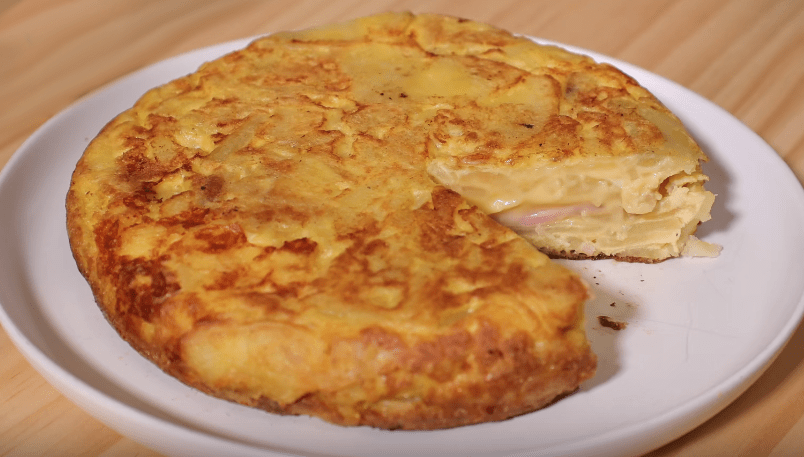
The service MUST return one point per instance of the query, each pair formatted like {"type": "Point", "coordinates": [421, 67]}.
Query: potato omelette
{"type": "Point", "coordinates": [321, 223]}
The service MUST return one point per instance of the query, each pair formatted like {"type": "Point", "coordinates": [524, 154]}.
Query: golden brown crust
{"type": "Point", "coordinates": [265, 230]}
{"type": "Point", "coordinates": [572, 255]}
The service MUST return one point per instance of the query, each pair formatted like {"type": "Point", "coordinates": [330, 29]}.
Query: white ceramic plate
{"type": "Point", "coordinates": [699, 332]}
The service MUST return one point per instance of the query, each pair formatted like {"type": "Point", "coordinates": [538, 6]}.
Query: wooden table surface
{"type": "Point", "coordinates": [745, 55]}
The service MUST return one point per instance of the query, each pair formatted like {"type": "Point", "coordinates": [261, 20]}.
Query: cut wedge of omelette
{"type": "Point", "coordinates": [311, 225]}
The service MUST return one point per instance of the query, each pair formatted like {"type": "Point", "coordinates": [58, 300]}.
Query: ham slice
{"type": "Point", "coordinates": [528, 217]}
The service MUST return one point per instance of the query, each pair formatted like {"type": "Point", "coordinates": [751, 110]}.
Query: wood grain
{"type": "Point", "coordinates": [745, 55]}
